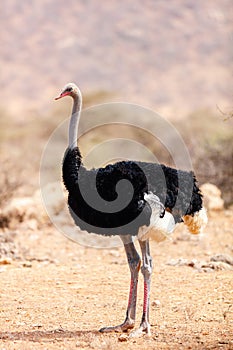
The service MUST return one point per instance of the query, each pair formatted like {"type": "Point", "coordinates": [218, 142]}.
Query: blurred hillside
{"type": "Point", "coordinates": [174, 57]}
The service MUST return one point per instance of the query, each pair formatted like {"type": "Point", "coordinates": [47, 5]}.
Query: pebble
{"type": "Point", "coordinates": [5, 261]}
{"type": "Point", "coordinates": [156, 303]}
{"type": "Point", "coordinates": [26, 264]}
{"type": "Point", "coordinates": [123, 337]}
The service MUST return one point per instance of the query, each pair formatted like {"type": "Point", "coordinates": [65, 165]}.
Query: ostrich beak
{"type": "Point", "coordinates": [63, 94]}
{"type": "Point", "coordinates": [57, 98]}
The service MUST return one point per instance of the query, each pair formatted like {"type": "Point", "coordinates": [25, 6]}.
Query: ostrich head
{"type": "Point", "coordinates": [69, 89]}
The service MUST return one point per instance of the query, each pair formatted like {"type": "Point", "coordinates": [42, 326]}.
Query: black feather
{"type": "Point", "coordinates": [110, 200]}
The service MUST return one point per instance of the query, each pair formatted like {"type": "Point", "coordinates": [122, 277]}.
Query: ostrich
{"type": "Point", "coordinates": [153, 198]}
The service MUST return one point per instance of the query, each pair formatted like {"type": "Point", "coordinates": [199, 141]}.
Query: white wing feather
{"type": "Point", "coordinates": [160, 227]}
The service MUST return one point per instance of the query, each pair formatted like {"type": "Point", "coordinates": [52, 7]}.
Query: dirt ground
{"type": "Point", "coordinates": [56, 294]}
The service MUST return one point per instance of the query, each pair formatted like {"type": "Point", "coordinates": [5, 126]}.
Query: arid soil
{"type": "Point", "coordinates": [56, 294]}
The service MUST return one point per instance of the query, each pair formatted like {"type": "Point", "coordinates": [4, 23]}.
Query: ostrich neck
{"type": "Point", "coordinates": [74, 121]}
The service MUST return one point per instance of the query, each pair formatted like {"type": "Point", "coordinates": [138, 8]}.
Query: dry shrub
{"type": "Point", "coordinates": [209, 139]}
{"type": "Point", "coordinates": [9, 182]}
{"type": "Point", "coordinates": [216, 166]}
{"type": "Point", "coordinates": [8, 248]}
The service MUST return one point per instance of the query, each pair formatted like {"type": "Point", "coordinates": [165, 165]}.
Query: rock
{"type": "Point", "coordinates": [19, 210]}
{"type": "Point", "coordinates": [219, 265]}
{"type": "Point", "coordinates": [5, 261]}
{"type": "Point", "coordinates": [31, 208]}
{"type": "Point", "coordinates": [156, 303]}
{"type": "Point", "coordinates": [26, 264]}
{"type": "Point", "coordinates": [222, 258]}
{"type": "Point", "coordinates": [123, 337]}
{"type": "Point", "coordinates": [218, 262]}
{"type": "Point", "coordinates": [212, 197]}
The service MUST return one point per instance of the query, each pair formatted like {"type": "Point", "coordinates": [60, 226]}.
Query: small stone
{"type": "Point", "coordinates": [5, 261]}
{"type": "Point", "coordinates": [80, 344]}
{"type": "Point", "coordinates": [205, 333]}
{"type": "Point", "coordinates": [26, 264]}
{"type": "Point", "coordinates": [114, 253]}
{"type": "Point", "coordinates": [123, 337]}
{"type": "Point", "coordinates": [156, 303]}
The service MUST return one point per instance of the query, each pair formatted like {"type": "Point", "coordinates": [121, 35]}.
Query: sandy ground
{"type": "Point", "coordinates": [56, 294]}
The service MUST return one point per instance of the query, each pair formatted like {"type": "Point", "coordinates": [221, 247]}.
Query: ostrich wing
{"type": "Point", "coordinates": [162, 223]}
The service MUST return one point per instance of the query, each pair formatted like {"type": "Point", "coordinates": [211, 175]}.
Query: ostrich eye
{"type": "Point", "coordinates": [69, 89]}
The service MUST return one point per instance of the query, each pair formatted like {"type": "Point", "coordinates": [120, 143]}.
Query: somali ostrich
{"type": "Point", "coordinates": [153, 198]}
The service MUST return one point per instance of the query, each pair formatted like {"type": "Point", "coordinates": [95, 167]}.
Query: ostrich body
{"type": "Point", "coordinates": [129, 199]}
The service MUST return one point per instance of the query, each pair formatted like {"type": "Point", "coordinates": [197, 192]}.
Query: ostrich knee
{"type": "Point", "coordinates": [147, 269]}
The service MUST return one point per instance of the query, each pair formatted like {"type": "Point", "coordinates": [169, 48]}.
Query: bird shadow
{"type": "Point", "coordinates": [39, 335]}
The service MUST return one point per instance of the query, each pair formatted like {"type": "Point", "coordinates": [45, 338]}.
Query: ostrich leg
{"type": "Point", "coordinates": [146, 270]}
{"type": "Point", "coordinates": [134, 265]}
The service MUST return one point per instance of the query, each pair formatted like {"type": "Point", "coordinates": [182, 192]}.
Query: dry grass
{"type": "Point", "coordinates": [9, 182]}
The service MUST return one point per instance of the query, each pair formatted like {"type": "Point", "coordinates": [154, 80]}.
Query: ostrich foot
{"type": "Point", "coordinates": [124, 327]}
{"type": "Point", "coordinates": [144, 329]}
